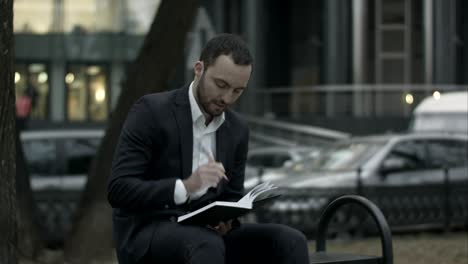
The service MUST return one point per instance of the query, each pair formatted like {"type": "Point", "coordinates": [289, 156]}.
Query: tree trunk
{"type": "Point", "coordinates": [162, 50]}
{"type": "Point", "coordinates": [8, 224]}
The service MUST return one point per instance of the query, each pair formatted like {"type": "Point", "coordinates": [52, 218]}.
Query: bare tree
{"type": "Point", "coordinates": [162, 51]}
{"type": "Point", "coordinates": [8, 220]}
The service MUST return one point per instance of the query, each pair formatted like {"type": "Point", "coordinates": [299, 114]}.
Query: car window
{"type": "Point", "coordinates": [410, 154]}
{"type": "Point", "coordinates": [440, 122]}
{"type": "Point", "coordinates": [257, 160]}
{"type": "Point", "coordinates": [342, 156]}
{"type": "Point", "coordinates": [41, 155]}
{"type": "Point", "coordinates": [280, 159]}
{"type": "Point", "coordinates": [268, 160]}
{"type": "Point", "coordinates": [450, 153]}
{"type": "Point", "coordinates": [79, 153]}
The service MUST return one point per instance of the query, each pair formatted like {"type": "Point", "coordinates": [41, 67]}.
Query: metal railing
{"type": "Point", "coordinates": [353, 100]}
{"type": "Point", "coordinates": [372, 210]}
{"type": "Point", "coordinates": [291, 134]}
{"type": "Point", "coordinates": [442, 205]}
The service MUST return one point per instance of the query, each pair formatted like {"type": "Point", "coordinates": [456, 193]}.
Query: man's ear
{"type": "Point", "coordinates": [198, 69]}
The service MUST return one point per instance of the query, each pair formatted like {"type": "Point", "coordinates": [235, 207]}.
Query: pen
{"type": "Point", "coordinates": [210, 156]}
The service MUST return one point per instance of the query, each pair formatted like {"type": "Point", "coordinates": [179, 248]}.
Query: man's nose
{"type": "Point", "coordinates": [227, 97]}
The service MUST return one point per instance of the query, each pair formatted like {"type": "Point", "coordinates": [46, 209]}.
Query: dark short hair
{"type": "Point", "coordinates": [226, 44]}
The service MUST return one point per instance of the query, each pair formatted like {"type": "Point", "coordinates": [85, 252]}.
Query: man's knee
{"type": "Point", "coordinates": [186, 244]}
{"type": "Point", "coordinates": [290, 239]}
{"type": "Point", "coordinates": [211, 243]}
{"type": "Point", "coordinates": [206, 248]}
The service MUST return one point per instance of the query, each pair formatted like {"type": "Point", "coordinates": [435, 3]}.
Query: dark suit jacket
{"type": "Point", "coordinates": [154, 150]}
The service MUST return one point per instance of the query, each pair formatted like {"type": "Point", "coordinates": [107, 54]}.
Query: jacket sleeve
{"type": "Point", "coordinates": [129, 188]}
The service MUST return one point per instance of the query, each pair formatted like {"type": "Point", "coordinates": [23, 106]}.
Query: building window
{"type": "Point", "coordinates": [87, 93]}
{"type": "Point", "coordinates": [92, 15]}
{"type": "Point", "coordinates": [33, 16]}
{"type": "Point", "coordinates": [32, 91]}
{"type": "Point", "coordinates": [85, 16]}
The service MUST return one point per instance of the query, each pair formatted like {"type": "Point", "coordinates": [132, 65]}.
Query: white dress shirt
{"type": "Point", "coordinates": [204, 146]}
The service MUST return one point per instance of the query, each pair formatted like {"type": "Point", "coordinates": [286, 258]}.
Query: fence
{"type": "Point", "coordinates": [405, 207]}
{"type": "Point", "coordinates": [411, 207]}
{"type": "Point", "coordinates": [57, 210]}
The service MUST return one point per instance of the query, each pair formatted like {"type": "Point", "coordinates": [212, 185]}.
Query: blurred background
{"type": "Point", "coordinates": [328, 73]}
{"type": "Point", "coordinates": [354, 66]}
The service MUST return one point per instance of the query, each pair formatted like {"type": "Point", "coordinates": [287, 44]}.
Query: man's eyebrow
{"type": "Point", "coordinates": [227, 84]}
{"type": "Point", "coordinates": [221, 80]}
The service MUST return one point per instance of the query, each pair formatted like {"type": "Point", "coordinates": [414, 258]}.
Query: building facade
{"type": "Point", "coordinates": [71, 55]}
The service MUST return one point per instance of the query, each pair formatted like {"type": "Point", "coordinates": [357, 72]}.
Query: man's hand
{"type": "Point", "coordinates": [222, 227]}
{"type": "Point", "coordinates": [207, 175]}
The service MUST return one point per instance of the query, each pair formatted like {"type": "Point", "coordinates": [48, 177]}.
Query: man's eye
{"type": "Point", "coordinates": [221, 85]}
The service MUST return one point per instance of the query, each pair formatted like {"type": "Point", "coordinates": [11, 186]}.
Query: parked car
{"type": "Point", "coordinates": [60, 159]}
{"type": "Point", "coordinates": [448, 112]}
{"type": "Point", "coordinates": [58, 163]}
{"type": "Point", "coordinates": [265, 163]}
{"type": "Point", "coordinates": [418, 180]}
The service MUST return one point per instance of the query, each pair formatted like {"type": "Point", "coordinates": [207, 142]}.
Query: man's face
{"type": "Point", "coordinates": [221, 84]}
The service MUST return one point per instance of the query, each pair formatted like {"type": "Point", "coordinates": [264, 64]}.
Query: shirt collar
{"type": "Point", "coordinates": [197, 115]}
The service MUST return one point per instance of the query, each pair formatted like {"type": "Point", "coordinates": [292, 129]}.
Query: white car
{"type": "Point", "coordinates": [446, 113]}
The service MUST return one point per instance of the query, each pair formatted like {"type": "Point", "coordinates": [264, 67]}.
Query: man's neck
{"type": "Point", "coordinates": [208, 117]}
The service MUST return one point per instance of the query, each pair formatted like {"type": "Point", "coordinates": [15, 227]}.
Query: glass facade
{"type": "Point", "coordinates": [85, 16]}
{"type": "Point", "coordinates": [32, 90]}
{"type": "Point", "coordinates": [33, 16]}
{"type": "Point", "coordinates": [77, 72]}
{"type": "Point", "coordinates": [87, 93]}
{"type": "Point", "coordinates": [91, 15]}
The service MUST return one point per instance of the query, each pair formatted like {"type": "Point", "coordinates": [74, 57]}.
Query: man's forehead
{"type": "Point", "coordinates": [226, 70]}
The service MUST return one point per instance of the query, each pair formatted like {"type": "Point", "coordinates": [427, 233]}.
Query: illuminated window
{"type": "Point", "coordinates": [33, 16]}
{"type": "Point", "coordinates": [32, 86]}
{"type": "Point", "coordinates": [44, 16]}
{"type": "Point", "coordinates": [92, 15]}
{"type": "Point", "coordinates": [87, 93]}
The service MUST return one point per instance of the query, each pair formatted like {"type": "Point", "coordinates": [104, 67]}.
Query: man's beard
{"type": "Point", "coordinates": [205, 105]}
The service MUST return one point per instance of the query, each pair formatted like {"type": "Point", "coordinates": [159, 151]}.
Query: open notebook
{"type": "Point", "coordinates": [222, 211]}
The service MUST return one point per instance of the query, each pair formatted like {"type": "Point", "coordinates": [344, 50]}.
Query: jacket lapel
{"type": "Point", "coordinates": [184, 122]}
{"type": "Point", "coordinates": [222, 139]}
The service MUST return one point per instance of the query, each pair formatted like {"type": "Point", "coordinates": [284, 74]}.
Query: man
{"type": "Point", "coordinates": [180, 150]}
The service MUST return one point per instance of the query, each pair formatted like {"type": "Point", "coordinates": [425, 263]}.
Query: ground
{"type": "Point", "coordinates": [422, 248]}
{"type": "Point", "coordinates": [426, 248]}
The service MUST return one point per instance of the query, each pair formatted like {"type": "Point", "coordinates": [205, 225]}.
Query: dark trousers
{"type": "Point", "coordinates": [249, 243]}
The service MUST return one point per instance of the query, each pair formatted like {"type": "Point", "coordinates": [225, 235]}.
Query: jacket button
{"type": "Point", "coordinates": [166, 206]}
{"type": "Point", "coordinates": [173, 219]}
